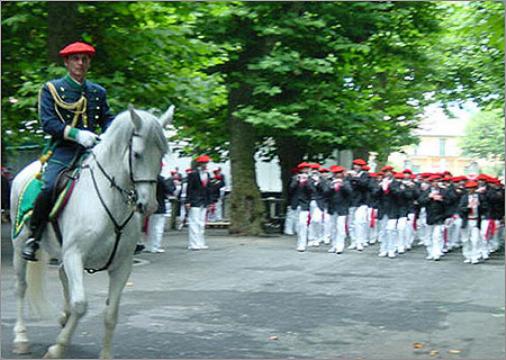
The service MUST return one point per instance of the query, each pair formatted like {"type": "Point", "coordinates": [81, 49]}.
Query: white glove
{"type": "Point", "coordinates": [86, 138]}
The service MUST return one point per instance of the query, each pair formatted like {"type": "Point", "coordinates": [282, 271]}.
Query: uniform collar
{"type": "Point", "coordinates": [73, 83]}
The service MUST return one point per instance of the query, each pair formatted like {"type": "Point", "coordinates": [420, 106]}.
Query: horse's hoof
{"type": "Point", "coordinates": [22, 347]}
{"type": "Point", "coordinates": [54, 352]}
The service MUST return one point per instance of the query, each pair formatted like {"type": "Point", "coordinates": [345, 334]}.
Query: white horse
{"type": "Point", "coordinates": [100, 224]}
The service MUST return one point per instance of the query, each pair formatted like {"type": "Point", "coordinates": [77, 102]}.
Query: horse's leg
{"type": "Point", "coordinates": [74, 269]}
{"type": "Point", "coordinates": [66, 305]}
{"type": "Point", "coordinates": [21, 345]}
{"type": "Point", "coordinates": [117, 281]}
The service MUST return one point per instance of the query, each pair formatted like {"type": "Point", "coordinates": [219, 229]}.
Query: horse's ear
{"type": "Point", "coordinates": [136, 119]}
{"type": "Point", "coordinates": [166, 118]}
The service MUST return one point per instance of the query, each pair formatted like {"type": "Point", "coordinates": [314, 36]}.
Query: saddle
{"type": "Point", "coordinates": [61, 194]}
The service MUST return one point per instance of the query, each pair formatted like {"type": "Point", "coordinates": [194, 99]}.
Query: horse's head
{"type": "Point", "coordinates": [147, 147]}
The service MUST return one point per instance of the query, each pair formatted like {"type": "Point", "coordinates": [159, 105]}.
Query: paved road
{"type": "Point", "coordinates": [229, 301]}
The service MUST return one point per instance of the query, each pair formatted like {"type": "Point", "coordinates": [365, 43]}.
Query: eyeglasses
{"type": "Point", "coordinates": [84, 58]}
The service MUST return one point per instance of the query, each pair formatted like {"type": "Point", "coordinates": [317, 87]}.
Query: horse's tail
{"type": "Point", "coordinates": [36, 292]}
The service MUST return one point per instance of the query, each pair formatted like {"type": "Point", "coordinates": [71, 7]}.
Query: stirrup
{"type": "Point", "coordinates": [30, 249]}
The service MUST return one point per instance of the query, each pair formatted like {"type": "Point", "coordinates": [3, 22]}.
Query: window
{"type": "Point", "coordinates": [442, 147]}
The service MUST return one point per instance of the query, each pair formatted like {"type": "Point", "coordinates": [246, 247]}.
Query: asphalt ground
{"type": "Point", "coordinates": [259, 298]}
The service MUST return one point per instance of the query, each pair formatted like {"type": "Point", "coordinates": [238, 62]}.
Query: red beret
{"type": "Point", "coordinates": [471, 184]}
{"type": "Point", "coordinates": [387, 168]}
{"type": "Point", "coordinates": [77, 48]}
{"type": "Point", "coordinates": [323, 170]}
{"type": "Point", "coordinates": [407, 171]}
{"type": "Point", "coordinates": [303, 165]}
{"type": "Point", "coordinates": [359, 162]}
{"type": "Point", "coordinates": [380, 173]}
{"type": "Point", "coordinates": [336, 169]}
{"type": "Point", "coordinates": [413, 176]}
{"type": "Point", "coordinates": [434, 177]}
{"type": "Point", "coordinates": [314, 166]}
{"type": "Point", "coordinates": [399, 175]}
{"type": "Point", "coordinates": [425, 175]}
{"type": "Point", "coordinates": [373, 174]}
{"type": "Point", "coordinates": [483, 177]}
{"type": "Point", "coordinates": [203, 159]}
{"type": "Point", "coordinates": [366, 168]}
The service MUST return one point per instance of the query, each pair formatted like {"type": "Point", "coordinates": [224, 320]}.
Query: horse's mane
{"type": "Point", "coordinates": [118, 134]}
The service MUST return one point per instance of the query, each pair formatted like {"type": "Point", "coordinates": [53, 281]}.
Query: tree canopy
{"type": "Point", "coordinates": [484, 135]}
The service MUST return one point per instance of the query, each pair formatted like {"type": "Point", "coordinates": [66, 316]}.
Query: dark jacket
{"type": "Point", "coordinates": [464, 210]}
{"type": "Point", "coordinates": [360, 186]}
{"type": "Point", "coordinates": [388, 200]}
{"type": "Point", "coordinates": [493, 204]}
{"type": "Point", "coordinates": [436, 210]}
{"type": "Point", "coordinates": [162, 191]}
{"type": "Point", "coordinates": [301, 193]}
{"type": "Point", "coordinates": [198, 194]}
{"type": "Point", "coordinates": [339, 200]}
{"type": "Point", "coordinates": [319, 192]}
{"type": "Point", "coordinates": [97, 111]}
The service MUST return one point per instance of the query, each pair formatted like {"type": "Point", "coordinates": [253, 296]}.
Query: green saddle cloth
{"type": "Point", "coordinates": [29, 195]}
{"type": "Point", "coordinates": [25, 204]}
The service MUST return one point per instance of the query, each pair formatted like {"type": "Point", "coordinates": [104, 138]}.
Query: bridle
{"type": "Point", "coordinates": [130, 197]}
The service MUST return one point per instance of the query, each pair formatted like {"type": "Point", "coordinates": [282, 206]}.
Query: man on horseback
{"type": "Point", "coordinates": [70, 109]}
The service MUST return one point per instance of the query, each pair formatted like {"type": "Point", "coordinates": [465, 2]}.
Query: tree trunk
{"type": "Point", "coordinates": [246, 207]}
{"type": "Point", "coordinates": [62, 29]}
{"type": "Point", "coordinates": [290, 154]}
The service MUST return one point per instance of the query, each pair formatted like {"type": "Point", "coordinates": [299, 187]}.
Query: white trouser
{"type": "Point", "coordinates": [338, 233]}
{"type": "Point", "coordinates": [156, 224]}
{"type": "Point", "coordinates": [434, 240]}
{"type": "Point", "coordinates": [361, 224]}
{"type": "Point", "coordinates": [351, 224]}
{"type": "Point", "coordinates": [373, 225]}
{"type": "Point", "coordinates": [402, 223]}
{"type": "Point", "coordinates": [490, 235]}
{"type": "Point", "coordinates": [327, 227]}
{"type": "Point", "coordinates": [421, 226]}
{"type": "Point", "coordinates": [316, 224]}
{"type": "Point", "coordinates": [302, 229]}
{"type": "Point", "coordinates": [219, 209]}
{"type": "Point", "coordinates": [409, 231]}
{"type": "Point", "coordinates": [196, 224]}
{"type": "Point", "coordinates": [182, 211]}
{"type": "Point", "coordinates": [454, 230]}
{"type": "Point", "coordinates": [389, 239]}
{"type": "Point", "coordinates": [291, 221]}
{"type": "Point", "coordinates": [471, 241]}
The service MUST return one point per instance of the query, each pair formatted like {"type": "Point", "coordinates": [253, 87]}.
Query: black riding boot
{"type": "Point", "coordinates": [38, 221]}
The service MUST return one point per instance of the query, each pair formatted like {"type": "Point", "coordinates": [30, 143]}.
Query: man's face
{"type": "Point", "coordinates": [357, 168]}
{"type": "Point", "coordinates": [77, 65]}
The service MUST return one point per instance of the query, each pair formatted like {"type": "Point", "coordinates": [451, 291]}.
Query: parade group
{"type": "Point", "coordinates": [397, 209]}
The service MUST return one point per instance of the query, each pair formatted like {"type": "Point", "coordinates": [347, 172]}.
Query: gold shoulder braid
{"type": "Point", "coordinates": [78, 107]}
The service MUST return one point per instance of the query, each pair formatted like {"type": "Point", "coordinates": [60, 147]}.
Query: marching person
{"type": "Point", "coordinates": [198, 198]}
{"type": "Point", "coordinates": [493, 196]}
{"type": "Point", "coordinates": [156, 222]}
{"type": "Point", "coordinates": [291, 221]}
{"type": "Point", "coordinates": [182, 195]}
{"type": "Point", "coordinates": [454, 224]}
{"type": "Point", "coordinates": [301, 192]}
{"type": "Point", "coordinates": [70, 108]}
{"type": "Point", "coordinates": [339, 202]}
{"type": "Point", "coordinates": [217, 184]}
{"type": "Point", "coordinates": [435, 200]}
{"type": "Point", "coordinates": [470, 213]}
{"type": "Point", "coordinates": [317, 206]}
{"type": "Point", "coordinates": [388, 212]}
{"type": "Point", "coordinates": [358, 224]}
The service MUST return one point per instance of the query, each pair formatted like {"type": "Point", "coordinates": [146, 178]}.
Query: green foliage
{"type": "Point", "coordinates": [484, 135]}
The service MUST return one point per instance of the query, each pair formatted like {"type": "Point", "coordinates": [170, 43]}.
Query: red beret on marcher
{"type": "Point", "coordinates": [303, 165]}
{"type": "Point", "coordinates": [203, 159]}
{"type": "Point", "coordinates": [483, 177]}
{"type": "Point", "coordinates": [425, 175]}
{"type": "Point", "coordinates": [387, 168]}
{"type": "Point", "coordinates": [380, 173]}
{"type": "Point", "coordinates": [323, 170]}
{"type": "Point", "coordinates": [398, 175]}
{"type": "Point", "coordinates": [471, 184]}
{"type": "Point", "coordinates": [315, 166]}
{"type": "Point", "coordinates": [434, 177]}
{"type": "Point", "coordinates": [366, 168]}
{"type": "Point", "coordinates": [413, 176]}
{"type": "Point", "coordinates": [77, 48]}
{"type": "Point", "coordinates": [407, 171]}
{"type": "Point", "coordinates": [373, 174]}
{"type": "Point", "coordinates": [361, 162]}
{"type": "Point", "coordinates": [336, 169]}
